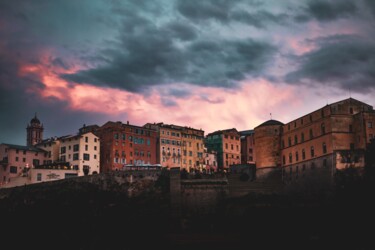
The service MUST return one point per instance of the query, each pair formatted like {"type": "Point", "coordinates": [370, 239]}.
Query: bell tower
{"type": "Point", "coordinates": [34, 132]}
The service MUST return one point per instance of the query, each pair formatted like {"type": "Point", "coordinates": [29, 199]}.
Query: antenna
{"type": "Point", "coordinates": [271, 115]}
{"type": "Point", "coordinates": [350, 94]}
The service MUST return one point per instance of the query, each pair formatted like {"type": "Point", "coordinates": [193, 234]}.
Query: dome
{"type": "Point", "coordinates": [35, 120]}
{"type": "Point", "coordinates": [270, 123]}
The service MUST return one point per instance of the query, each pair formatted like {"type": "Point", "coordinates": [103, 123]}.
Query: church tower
{"type": "Point", "coordinates": [34, 132]}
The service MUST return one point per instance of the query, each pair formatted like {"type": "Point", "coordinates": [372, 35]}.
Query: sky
{"type": "Point", "coordinates": [207, 64]}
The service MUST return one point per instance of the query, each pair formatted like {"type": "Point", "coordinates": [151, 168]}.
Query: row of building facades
{"type": "Point", "coordinates": [332, 137]}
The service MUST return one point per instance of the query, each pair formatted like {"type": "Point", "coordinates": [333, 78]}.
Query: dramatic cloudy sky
{"type": "Point", "coordinates": [210, 64]}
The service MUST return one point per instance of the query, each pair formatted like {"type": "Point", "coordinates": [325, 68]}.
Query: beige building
{"type": "Point", "coordinates": [179, 146]}
{"type": "Point", "coordinates": [192, 148]}
{"type": "Point", "coordinates": [82, 151]}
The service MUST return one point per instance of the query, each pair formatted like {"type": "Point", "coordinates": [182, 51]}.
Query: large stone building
{"type": "Point", "coordinates": [123, 144]}
{"type": "Point", "coordinates": [179, 146]}
{"type": "Point", "coordinates": [227, 144]}
{"type": "Point", "coordinates": [330, 138]}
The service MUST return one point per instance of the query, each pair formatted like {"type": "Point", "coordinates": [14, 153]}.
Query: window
{"type": "Point", "coordinates": [231, 146]}
{"type": "Point", "coordinates": [75, 157]}
{"type": "Point", "coordinates": [324, 148]}
{"type": "Point", "coordinates": [302, 137]}
{"type": "Point", "coordinates": [351, 110]}
{"type": "Point", "coordinates": [75, 148]}
{"type": "Point", "coordinates": [39, 177]}
{"type": "Point", "coordinates": [237, 148]}
{"type": "Point", "coordinates": [226, 145]}
{"type": "Point", "coordinates": [290, 157]}
{"type": "Point", "coordinates": [13, 170]}
{"type": "Point", "coordinates": [369, 124]}
{"type": "Point", "coordinates": [282, 144]}
{"type": "Point", "coordinates": [63, 150]}
{"type": "Point", "coordinates": [63, 158]}
{"type": "Point", "coordinates": [86, 157]}
{"type": "Point", "coordinates": [284, 159]}
{"type": "Point", "coordinates": [312, 151]}
{"type": "Point", "coordinates": [86, 147]}
{"type": "Point", "coordinates": [148, 142]}
{"type": "Point", "coordinates": [23, 159]}
{"type": "Point", "coordinates": [86, 139]}
{"type": "Point", "coordinates": [115, 136]}
{"type": "Point", "coordinates": [289, 142]}
{"type": "Point", "coordinates": [323, 128]}
{"type": "Point", "coordinates": [295, 139]}
{"type": "Point", "coordinates": [16, 158]}
{"type": "Point", "coordinates": [296, 155]}
{"type": "Point", "coordinates": [95, 148]}
{"type": "Point", "coordinates": [94, 156]}
{"type": "Point", "coordinates": [36, 162]}
{"type": "Point", "coordinates": [24, 152]}
{"type": "Point", "coordinates": [311, 133]}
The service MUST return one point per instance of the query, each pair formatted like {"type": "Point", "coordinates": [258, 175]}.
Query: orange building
{"type": "Point", "coordinates": [123, 144]}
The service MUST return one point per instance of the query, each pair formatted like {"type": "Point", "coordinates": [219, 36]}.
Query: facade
{"type": "Point", "coordinates": [192, 149]}
{"type": "Point", "coordinates": [179, 146]}
{"type": "Point", "coordinates": [330, 138]}
{"type": "Point", "coordinates": [52, 147]}
{"type": "Point", "coordinates": [34, 132]}
{"type": "Point", "coordinates": [227, 144]}
{"type": "Point", "coordinates": [16, 159]}
{"type": "Point", "coordinates": [247, 147]}
{"type": "Point", "coordinates": [210, 160]}
{"type": "Point", "coordinates": [123, 144]}
{"type": "Point", "coordinates": [82, 151]}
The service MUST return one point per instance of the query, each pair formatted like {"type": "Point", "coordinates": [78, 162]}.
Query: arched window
{"type": "Point", "coordinates": [312, 151]}
{"type": "Point", "coordinates": [324, 148]}
{"type": "Point", "coordinates": [323, 128]}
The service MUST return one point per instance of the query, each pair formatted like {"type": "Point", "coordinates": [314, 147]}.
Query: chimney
{"type": "Point", "coordinates": [127, 122]}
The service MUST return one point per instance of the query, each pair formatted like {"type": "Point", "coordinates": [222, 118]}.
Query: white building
{"type": "Point", "coordinates": [82, 151]}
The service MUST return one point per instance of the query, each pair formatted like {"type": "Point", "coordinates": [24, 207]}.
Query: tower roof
{"type": "Point", "coordinates": [35, 120]}
{"type": "Point", "coordinates": [270, 123]}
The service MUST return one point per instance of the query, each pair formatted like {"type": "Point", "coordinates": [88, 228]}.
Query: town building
{"type": "Point", "coordinates": [16, 159]}
{"type": "Point", "coordinates": [210, 161]}
{"type": "Point", "coordinates": [331, 138]}
{"type": "Point", "coordinates": [247, 147]}
{"type": "Point", "coordinates": [179, 146]}
{"type": "Point", "coordinates": [227, 144]}
{"type": "Point", "coordinates": [123, 144]}
{"type": "Point", "coordinates": [82, 151]}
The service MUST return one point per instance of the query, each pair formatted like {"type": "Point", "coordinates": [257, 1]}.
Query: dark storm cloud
{"type": "Point", "coordinates": [204, 10]}
{"type": "Point", "coordinates": [182, 31]}
{"type": "Point", "coordinates": [259, 19]}
{"type": "Point", "coordinates": [346, 61]}
{"type": "Point", "coordinates": [327, 10]}
{"type": "Point", "coordinates": [151, 55]}
{"type": "Point", "coordinates": [371, 5]}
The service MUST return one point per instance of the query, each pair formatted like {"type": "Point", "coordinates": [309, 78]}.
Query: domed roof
{"type": "Point", "coordinates": [270, 123]}
{"type": "Point", "coordinates": [35, 120]}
